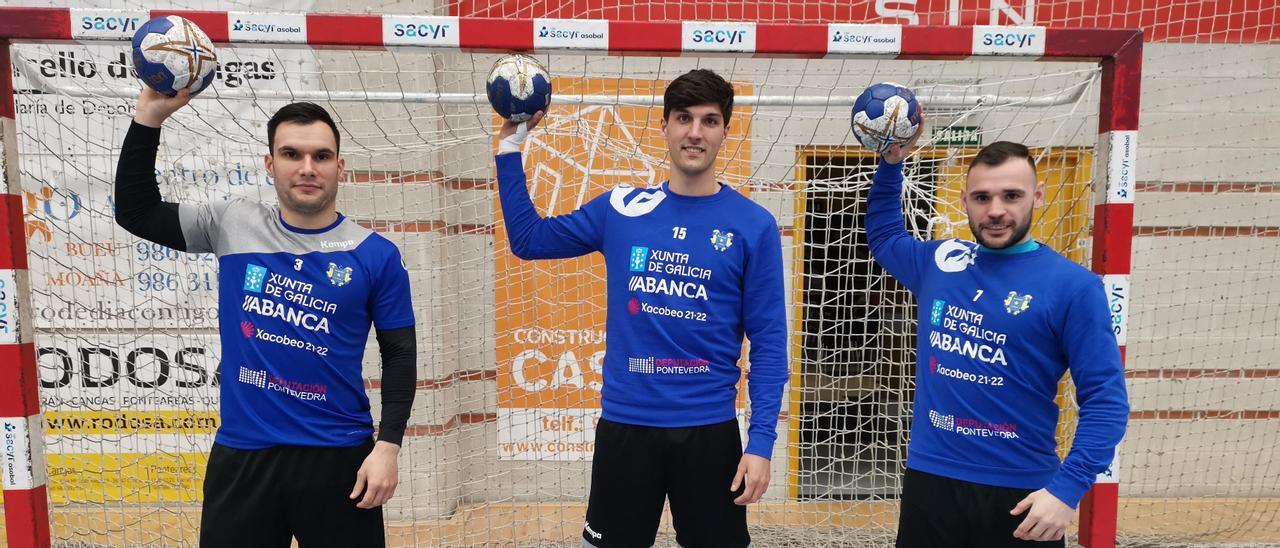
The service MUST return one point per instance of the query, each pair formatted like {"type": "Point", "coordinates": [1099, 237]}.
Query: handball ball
{"type": "Point", "coordinates": [885, 114]}
{"type": "Point", "coordinates": [518, 87]}
{"type": "Point", "coordinates": [171, 53]}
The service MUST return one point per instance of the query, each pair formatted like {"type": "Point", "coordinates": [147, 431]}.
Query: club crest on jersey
{"type": "Point", "coordinates": [338, 275]}
{"type": "Point", "coordinates": [1016, 304]}
{"type": "Point", "coordinates": [721, 240]}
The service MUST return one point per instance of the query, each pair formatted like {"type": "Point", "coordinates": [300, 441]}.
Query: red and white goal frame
{"type": "Point", "coordinates": [1118, 51]}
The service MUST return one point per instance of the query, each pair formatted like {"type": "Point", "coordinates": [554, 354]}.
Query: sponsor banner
{"type": "Point", "coordinates": [551, 336]}
{"type": "Point", "coordinates": [420, 31]}
{"type": "Point", "coordinates": [1119, 155]}
{"type": "Point", "coordinates": [89, 24]}
{"type": "Point", "coordinates": [124, 412]}
{"type": "Point", "coordinates": [20, 464]}
{"type": "Point", "coordinates": [864, 39]}
{"type": "Point", "coordinates": [547, 434]}
{"type": "Point", "coordinates": [274, 28]}
{"type": "Point", "coordinates": [990, 40]}
{"type": "Point", "coordinates": [1117, 288]}
{"type": "Point", "coordinates": [82, 373]}
{"type": "Point", "coordinates": [551, 34]}
{"type": "Point", "coordinates": [1209, 21]}
{"type": "Point", "coordinates": [67, 423]}
{"type": "Point", "coordinates": [703, 36]}
{"type": "Point", "coordinates": [9, 328]}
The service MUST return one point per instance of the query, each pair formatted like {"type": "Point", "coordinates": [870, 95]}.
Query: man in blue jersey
{"type": "Point", "coordinates": [692, 266]}
{"type": "Point", "coordinates": [299, 287]}
{"type": "Point", "coordinates": [1001, 321]}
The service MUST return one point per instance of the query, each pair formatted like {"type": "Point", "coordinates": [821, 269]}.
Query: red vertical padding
{"type": "Point", "coordinates": [936, 42]}
{"type": "Point", "coordinates": [1098, 511]}
{"type": "Point", "coordinates": [13, 243]}
{"type": "Point", "coordinates": [1112, 238]}
{"type": "Point", "coordinates": [658, 38]}
{"type": "Point", "coordinates": [498, 35]}
{"type": "Point", "coordinates": [26, 514]}
{"type": "Point", "coordinates": [7, 109]}
{"type": "Point", "coordinates": [213, 23]}
{"type": "Point", "coordinates": [19, 381]}
{"type": "Point", "coordinates": [778, 40]}
{"type": "Point", "coordinates": [344, 31]}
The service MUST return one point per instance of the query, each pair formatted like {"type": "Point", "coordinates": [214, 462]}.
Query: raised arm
{"type": "Point", "coordinates": [891, 245]}
{"type": "Point", "coordinates": [531, 236]}
{"type": "Point", "coordinates": [139, 208]}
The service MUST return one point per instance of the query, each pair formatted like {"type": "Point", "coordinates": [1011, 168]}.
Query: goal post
{"type": "Point", "coordinates": [499, 444]}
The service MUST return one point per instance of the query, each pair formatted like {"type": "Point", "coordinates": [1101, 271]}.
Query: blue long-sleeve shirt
{"type": "Point", "coordinates": [996, 333]}
{"type": "Point", "coordinates": [687, 277]}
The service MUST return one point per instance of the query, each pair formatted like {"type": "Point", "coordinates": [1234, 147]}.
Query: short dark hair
{"type": "Point", "coordinates": [1000, 152]}
{"type": "Point", "coordinates": [300, 113]}
{"type": "Point", "coordinates": [698, 87]}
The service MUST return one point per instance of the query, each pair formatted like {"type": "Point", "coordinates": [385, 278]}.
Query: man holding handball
{"type": "Point", "coordinates": [1001, 321]}
{"type": "Point", "coordinates": [299, 287]}
{"type": "Point", "coordinates": [668, 428]}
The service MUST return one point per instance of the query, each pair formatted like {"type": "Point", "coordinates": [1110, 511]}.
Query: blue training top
{"type": "Point", "coordinates": [997, 332]}
{"type": "Point", "coordinates": [687, 277]}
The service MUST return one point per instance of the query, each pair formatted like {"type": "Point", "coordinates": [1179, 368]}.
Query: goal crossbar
{"type": "Point", "coordinates": [1118, 52]}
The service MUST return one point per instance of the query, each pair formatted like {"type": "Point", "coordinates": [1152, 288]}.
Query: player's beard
{"type": "Point", "coordinates": [1019, 232]}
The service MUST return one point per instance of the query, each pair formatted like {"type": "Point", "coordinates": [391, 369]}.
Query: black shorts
{"type": "Point", "coordinates": [939, 512]}
{"type": "Point", "coordinates": [263, 498]}
{"type": "Point", "coordinates": [635, 467]}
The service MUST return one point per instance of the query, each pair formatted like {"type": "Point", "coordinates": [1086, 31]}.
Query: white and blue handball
{"type": "Point", "coordinates": [519, 86]}
{"type": "Point", "coordinates": [171, 53]}
{"type": "Point", "coordinates": [885, 114]}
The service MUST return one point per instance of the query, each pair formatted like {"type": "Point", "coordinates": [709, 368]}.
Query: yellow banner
{"type": "Point", "coordinates": [130, 422]}
{"type": "Point", "coordinates": [126, 477]}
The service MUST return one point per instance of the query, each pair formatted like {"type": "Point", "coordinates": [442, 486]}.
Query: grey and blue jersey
{"type": "Point", "coordinates": [296, 306]}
